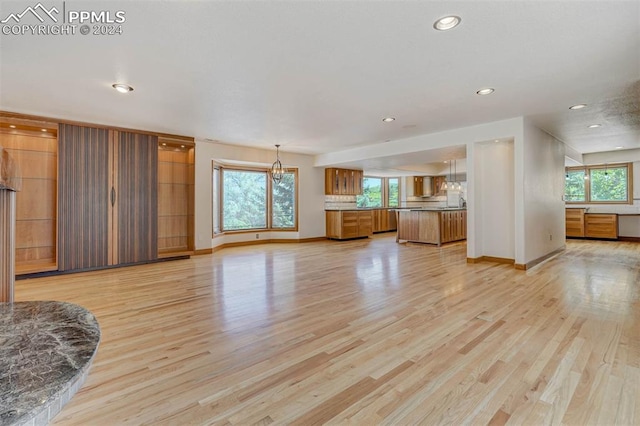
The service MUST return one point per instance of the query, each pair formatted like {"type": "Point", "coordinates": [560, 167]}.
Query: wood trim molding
{"type": "Point", "coordinates": [539, 260]}
{"type": "Point", "coordinates": [203, 251]}
{"type": "Point", "coordinates": [257, 242]}
{"type": "Point", "coordinates": [630, 239]}
{"type": "Point", "coordinates": [493, 259]}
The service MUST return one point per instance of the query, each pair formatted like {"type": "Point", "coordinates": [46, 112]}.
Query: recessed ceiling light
{"type": "Point", "coordinates": [618, 147]}
{"type": "Point", "coordinates": [577, 106]}
{"type": "Point", "coordinates": [122, 88]}
{"type": "Point", "coordinates": [447, 22]}
{"type": "Point", "coordinates": [12, 126]}
{"type": "Point", "coordinates": [496, 141]}
{"type": "Point", "coordinates": [388, 119]}
{"type": "Point", "coordinates": [593, 126]}
{"type": "Point", "coordinates": [486, 91]}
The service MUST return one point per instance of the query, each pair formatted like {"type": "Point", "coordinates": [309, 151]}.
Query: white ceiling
{"type": "Point", "coordinates": [319, 76]}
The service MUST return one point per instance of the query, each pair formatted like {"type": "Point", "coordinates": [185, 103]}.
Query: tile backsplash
{"type": "Point", "coordinates": [335, 202]}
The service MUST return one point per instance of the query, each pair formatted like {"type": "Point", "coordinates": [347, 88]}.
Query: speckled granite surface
{"type": "Point", "coordinates": [46, 349]}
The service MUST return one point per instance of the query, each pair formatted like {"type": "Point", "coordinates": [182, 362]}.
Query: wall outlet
{"type": "Point", "coordinates": [257, 236]}
{"type": "Point", "coordinates": [550, 237]}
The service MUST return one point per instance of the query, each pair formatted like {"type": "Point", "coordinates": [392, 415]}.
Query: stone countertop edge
{"type": "Point", "coordinates": [65, 334]}
{"type": "Point", "coordinates": [425, 209]}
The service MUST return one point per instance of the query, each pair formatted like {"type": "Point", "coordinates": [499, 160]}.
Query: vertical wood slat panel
{"type": "Point", "coordinates": [7, 243]}
{"type": "Point", "coordinates": [137, 206]}
{"type": "Point", "coordinates": [83, 197]}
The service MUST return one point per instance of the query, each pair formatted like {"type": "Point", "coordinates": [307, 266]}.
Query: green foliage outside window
{"type": "Point", "coordinates": [597, 184]}
{"type": "Point", "coordinates": [371, 193]}
{"type": "Point", "coordinates": [394, 195]}
{"type": "Point", "coordinates": [244, 200]}
{"type": "Point", "coordinates": [609, 184]}
{"type": "Point", "coordinates": [283, 202]}
{"type": "Point", "coordinates": [574, 187]}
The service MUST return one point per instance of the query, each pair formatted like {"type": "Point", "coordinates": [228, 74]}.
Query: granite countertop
{"type": "Point", "coordinates": [46, 349]}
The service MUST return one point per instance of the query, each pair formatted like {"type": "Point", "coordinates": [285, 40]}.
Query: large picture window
{"type": "Point", "coordinates": [379, 192]}
{"type": "Point", "coordinates": [250, 200]}
{"type": "Point", "coordinates": [599, 184]}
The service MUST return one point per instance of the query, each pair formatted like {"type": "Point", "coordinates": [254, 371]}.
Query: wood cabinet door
{"type": "Point", "coordinates": [349, 225]}
{"type": "Point", "coordinates": [135, 210]}
{"type": "Point", "coordinates": [357, 187]}
{"type": "Point", "coordinates": [83, 197]}
{"type": "Point", "coordinates": [365, 223]}
{"type": "Point", "coordinates": [601, 225]}
{"type": "Point", "coordinates": [107, 198]}
{"type": "Point", "coordinates": [574, 222]}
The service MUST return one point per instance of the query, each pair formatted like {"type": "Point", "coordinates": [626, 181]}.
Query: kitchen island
{"type": "Point", "coordinates": [432, 226]}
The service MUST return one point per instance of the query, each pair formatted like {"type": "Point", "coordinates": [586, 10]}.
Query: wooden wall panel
{"type": "Point", "coordinates": [7, 242]}
{"type": "Point", "coordinates": [137, 197]}
{"type": "Point", "coordinates": [35, 153]}
{"type": "Point", "coordinates": [83, 197]}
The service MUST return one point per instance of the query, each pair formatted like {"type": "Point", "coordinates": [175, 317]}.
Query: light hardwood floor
{"type": "Point", "coordinates": [361, 332]}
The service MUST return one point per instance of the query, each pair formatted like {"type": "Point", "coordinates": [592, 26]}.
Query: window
{"type": "Point", "coordinates": [574, 186]}
{"type": "Point", "coordinates": [250, 200]}
{"type": "Point", "coordinates": [371, 193]}
{"type": "Point", "coordinates": [599, 184]}
{"type": "Point", "coordinates": [393, 192]}
{"type": "Point", "coordinates": [379, 192]}
{"type": "Point", "coordinates": [244, 200]}
{"type": "Point", "coordinates": [283, 202]}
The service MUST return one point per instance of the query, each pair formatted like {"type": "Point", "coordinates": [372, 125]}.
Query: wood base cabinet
{"type": "Point", "coordinates": [598, 225]}
{"type": "Point", "coordinates": [384, 220]}
{"type": "Point", "coordinates": [574, 222]}
{"type": "Point", "coordinates": [343, 225]}
{"type": "Point", "coordinates": [432, 226]}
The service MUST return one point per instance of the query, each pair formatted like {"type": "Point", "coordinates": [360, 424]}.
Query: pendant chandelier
{"type": "Point", "coordinates": [277, 171]}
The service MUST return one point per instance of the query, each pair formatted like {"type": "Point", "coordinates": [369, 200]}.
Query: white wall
{"type": "Point", "coordinates": [542, 159]}
{"type": "Point", "coordinates": [494, 199]}
{"type": "Point", "coordinates": [310, 190]}
{"type": "Point", "coordinates": [482, 132]}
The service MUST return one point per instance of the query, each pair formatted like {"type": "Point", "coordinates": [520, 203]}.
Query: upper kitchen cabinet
{"type": "Point", "coordinates": [343, 181]}
{"type": "Point", "coordinates": [436, 183]}
{"type": "Point", "coordinates": [418, 186]}
{"type": "Point", "coordinates": [33, 144]}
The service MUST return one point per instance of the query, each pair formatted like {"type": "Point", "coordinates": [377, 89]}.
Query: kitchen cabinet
{"type": "Point", "coordinates": [453, 225]}
{"type": "Point", "coordinates": [432, 226]}
{"type": "Point", "coordinates": [343, 181]}
{"type": "Point", "coordinates": [384, 220]}
{"type": "Point", "coordinates": [107, 197]}
{"type": "Point", "coordinates": [599, 225]}
{"type": "Point", "coordinates": [347, 224]}
{"type": "Point", "coordinates": [436, 183]}
{"type": "Point", "coordinates": [418, 186]}
{"type": "Point", "coordinates": [574, 222]}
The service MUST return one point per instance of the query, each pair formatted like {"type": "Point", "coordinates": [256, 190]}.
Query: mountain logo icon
{"type": "Point", "coordinates": [39, 11]}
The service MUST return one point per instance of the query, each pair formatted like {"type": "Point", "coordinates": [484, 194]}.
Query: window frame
{"type": "Point", "coordinates": [384, 191]}
{"type": "Point", "coordinates": [269, 200]}
{"type": "Point", "coordinates": [587, 182]}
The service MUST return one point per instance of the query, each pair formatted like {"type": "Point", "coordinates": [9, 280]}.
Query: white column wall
{"type": "Point", "coordinates": [496, 172]}
{"type": "Point", "coordinates": [542, 189]}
